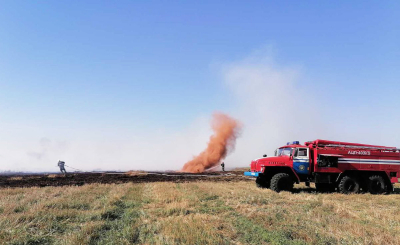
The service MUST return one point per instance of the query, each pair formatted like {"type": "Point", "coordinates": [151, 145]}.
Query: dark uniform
{"type": "Point", "coordinates": [223, 166]}
{"type": "Point", "coordinates": [62, 168]}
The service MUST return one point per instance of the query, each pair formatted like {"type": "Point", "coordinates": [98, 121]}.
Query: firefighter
{"type": "Point", "coordinates": [62, 168]}
{"type": "Point", "coordinates": [223, 166]}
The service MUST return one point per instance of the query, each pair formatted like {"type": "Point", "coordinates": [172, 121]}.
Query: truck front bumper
{"type": "Point", "coordinates": [251, 174]}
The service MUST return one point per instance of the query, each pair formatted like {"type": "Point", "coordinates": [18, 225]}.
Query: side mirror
{"type": "Point", "coordinates": [265, 155]}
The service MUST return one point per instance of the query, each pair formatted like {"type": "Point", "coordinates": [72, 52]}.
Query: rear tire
{"type": "Point", "coordinates": [377, 185]}
{"type": "Point", "coordinates": [263, 182]}
{"type": "Point", "coordinates": [349, 185]}
{"type": "Point", "coordinates": [325, 187]}
{"type": "Point", "coordinates": [281, 182]}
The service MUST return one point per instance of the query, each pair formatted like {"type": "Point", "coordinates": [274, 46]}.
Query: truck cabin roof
{"type": "Point", "coordinates": [292, 146]}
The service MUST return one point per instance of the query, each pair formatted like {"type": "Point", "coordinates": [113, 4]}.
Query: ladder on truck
{"type": "Point", "coordinates": [337, 144]}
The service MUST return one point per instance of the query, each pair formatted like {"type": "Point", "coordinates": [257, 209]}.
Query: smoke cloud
{"type": "Point", "coordinates": [274, 103]}
{"type": "Point", "coordinates": [222, 142]}
{"type": "Point", "coordinates": [278, 103]}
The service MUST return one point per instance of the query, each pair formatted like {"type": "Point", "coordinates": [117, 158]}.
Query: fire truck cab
{"type": "Point", "coordinates": [331, 165]}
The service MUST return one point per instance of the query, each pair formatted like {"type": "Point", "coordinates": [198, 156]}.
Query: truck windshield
{"type": "Point", "coordinates": [283, 151]}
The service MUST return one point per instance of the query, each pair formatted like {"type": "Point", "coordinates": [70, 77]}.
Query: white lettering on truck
{"type": "Point", "coordinates": [367, 153]}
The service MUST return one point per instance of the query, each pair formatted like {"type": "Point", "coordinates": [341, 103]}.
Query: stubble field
{"type": "Point", "coordinates": [202, 212]}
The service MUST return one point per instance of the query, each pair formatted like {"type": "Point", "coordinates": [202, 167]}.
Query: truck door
{"type": "Point", "coordinates": [301, 160]}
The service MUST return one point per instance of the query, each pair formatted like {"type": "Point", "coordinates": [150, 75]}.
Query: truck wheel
{"type": "Point", "coordinates": [349, 185]}
{"type": "Point", "coordinates": [324, 187]}
{"type": "Point", "coordinates": [376, 185]}
{"type": "Point", "coordinates": [281, 182]}
{"type": "Point", "coordinates": [263, 182]}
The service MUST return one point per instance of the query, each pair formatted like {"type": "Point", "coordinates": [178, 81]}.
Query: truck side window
{"type": "Point", "coordinates": [301, 152]}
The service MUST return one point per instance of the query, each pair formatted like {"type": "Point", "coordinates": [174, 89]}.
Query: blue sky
{"type": "Point", "coordinates": [103, 71]}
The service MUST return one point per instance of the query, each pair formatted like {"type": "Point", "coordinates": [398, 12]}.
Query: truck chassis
{"type": "Point", "coordinates": [331, 165]}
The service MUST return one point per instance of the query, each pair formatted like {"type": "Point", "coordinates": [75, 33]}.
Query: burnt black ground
{"type": "Point", "coordinates": [108, 178]}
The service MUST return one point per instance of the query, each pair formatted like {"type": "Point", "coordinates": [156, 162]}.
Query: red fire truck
{"type": "Point", "coordinates": [331, 165]}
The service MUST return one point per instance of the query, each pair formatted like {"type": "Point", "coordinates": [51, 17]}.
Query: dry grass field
{"type": "Point", "coordinates": [194, 213]}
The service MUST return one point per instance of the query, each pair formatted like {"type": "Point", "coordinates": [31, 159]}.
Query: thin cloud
{"type": "Point", "coordinates": [272, 104]}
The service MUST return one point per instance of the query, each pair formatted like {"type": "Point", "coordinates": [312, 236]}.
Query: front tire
{"type": "Point", "coordinates": [263, 182]}
{"type": "Point", "coordinates": [281, 182]}
{"type": "Point", "coordinates": [377, 185]}
{"type": "Point", "coordinates": [349, 185]}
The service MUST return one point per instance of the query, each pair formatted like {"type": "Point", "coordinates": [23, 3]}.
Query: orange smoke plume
{"type": "Point", "coordinates": [226, 130]}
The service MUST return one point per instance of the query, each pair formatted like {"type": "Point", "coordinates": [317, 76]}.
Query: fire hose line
{"type": "Point", "coordinates": [212, 168]}
{"type": "Point", "coordinates": [74, 168]}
